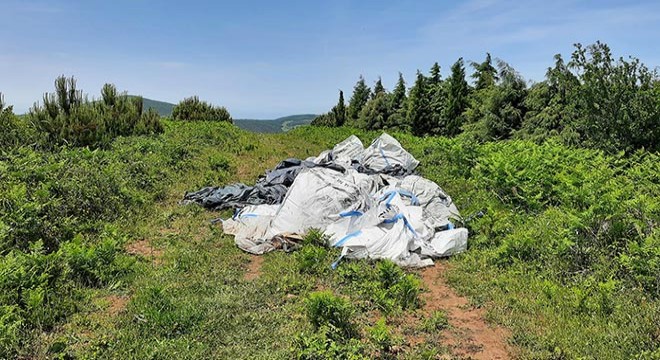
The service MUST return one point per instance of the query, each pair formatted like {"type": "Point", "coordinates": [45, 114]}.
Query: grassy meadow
{"type": "Point", "coordinates": [100, 260]}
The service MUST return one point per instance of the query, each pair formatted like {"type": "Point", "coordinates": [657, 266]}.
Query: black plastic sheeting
{"type": "Point", "coordinates": [269, 189]}
{"type": "Point", "coordinates": [272, 187]}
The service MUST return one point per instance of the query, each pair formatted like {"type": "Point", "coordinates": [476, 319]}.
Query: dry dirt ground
{"type": "Point", "coordinates": [469, 335]}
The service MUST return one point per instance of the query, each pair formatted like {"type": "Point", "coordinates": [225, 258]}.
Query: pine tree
{"type": "Point", "coordinates": [339, 111]}
{"type": "Point", "coordinates": [398, 105]}
{"type": "Point", "coordinates": [457, 99]}
{"type": "Point", "coordinates": [496, 112]}
{"type": "Point", "coordinates": [378, 88]}
{"type": "Point", "coordinates": [361, 94]}
{"type": "Point", "coordinates": [375, 114]}
{"type": "Point", "coordinates": [436, 96]}
{"type": "Point", "coordinates": [485, 74]}
{"type": "Point", "coordinates": [399, 94]}
{"type": "Point", "coordinates": [435, 77]}
{"type": "Point", "coordinates": [419, 112]}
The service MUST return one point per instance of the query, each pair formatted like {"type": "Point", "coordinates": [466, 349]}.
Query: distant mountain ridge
{"type": "Point", "coordinates": [282, 124]}
{"type": "Point", "coordinates": [163, 108]}
{"type": "Point", "coordinates": [278, 125]}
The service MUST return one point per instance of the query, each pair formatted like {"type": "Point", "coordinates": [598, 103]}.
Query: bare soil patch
{"type": "Point", "coordinates": [117, 304]}
{"type": "Point", "coordinates": [469, 336]}
{"type": "Point", "coordinates": [254, 267]}
{"type": "Point", "coordinates": [144, 248]}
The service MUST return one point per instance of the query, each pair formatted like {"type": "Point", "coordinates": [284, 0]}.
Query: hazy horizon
{"type": "Point", "coordinates": [265, 60]}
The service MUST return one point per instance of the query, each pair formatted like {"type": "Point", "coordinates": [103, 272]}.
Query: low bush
{"type": "Point", "coordinates": [38, 289]}
{"type": "Point", "coordinates": [398, 290]}
{"type": "Point", "coordinates": [322, 345]}
{"type": "Point", "coordinates": [193, 109]}
{"type": "Point", "coordinates": [326, 309]}
{"type": "Point", "coordinates": [312, 260]}
{"type": "Point", "coordinates": [315, 237]}
{"type": "Point", "coordinates": [381, 336]}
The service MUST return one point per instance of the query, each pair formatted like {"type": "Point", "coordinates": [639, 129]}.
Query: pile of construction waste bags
{"type": "Point", "coordinates": [368, 201]}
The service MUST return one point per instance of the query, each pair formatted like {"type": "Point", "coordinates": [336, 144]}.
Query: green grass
{"type": "Point", "coordinates": [564, 255]}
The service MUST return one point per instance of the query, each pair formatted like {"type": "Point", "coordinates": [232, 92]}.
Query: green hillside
{"type": "Point", "coordinates": [278, 125]}
{"type": "Point", "coordinates": [282, 124]}
{"type": "Point", "coordinates": [163, 108]}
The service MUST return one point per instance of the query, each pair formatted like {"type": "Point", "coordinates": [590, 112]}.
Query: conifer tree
{"type": "Point", "coordinates": [435, 77]}
{"type": "Point", "coordinates": [485, 74]}
{"type": "Point", "coordinates": [339, 111]}
{"type": "Point", "coordinates": [378, 88]}
{"type": "Point", "coordinates": [399, 93]}
{"type": "Point", "coordinates": [398, 105]}
{"type": "Point", "coordinates": [456, 100]}
{"type": "Point", "coordinates": [419, 112]}
{"type": "Point", "coordinates": [361, 94]}
{"type": "Point", "coordinates": [436, 96]}
{"type": "Point", "coordinates": [375, 114]}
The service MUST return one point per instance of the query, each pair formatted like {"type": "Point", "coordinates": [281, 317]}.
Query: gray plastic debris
{"type": "Point", "coordinates": [269, 189]}
{"type": "Point", "coordinates": [384, 156]}
{"type": "Point", "coordinates": [366, 213]}
{"type": "Point", "coordinates": [236, 195]}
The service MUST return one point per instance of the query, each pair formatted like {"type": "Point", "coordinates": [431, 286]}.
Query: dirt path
{"type": "Point", "coordinates": [254, 267]}
{"type": "Point", "coordinates": [469, 336]}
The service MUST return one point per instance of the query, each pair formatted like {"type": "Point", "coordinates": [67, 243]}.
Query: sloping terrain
{"type": "Point", "coordinates": [268, 126]}
{"type": "Point", "coordinates": [186, 291]}
{"type": "Point", "coordinates": [278, 125]}
{"type": "Point", "coordinates": [164, 109]}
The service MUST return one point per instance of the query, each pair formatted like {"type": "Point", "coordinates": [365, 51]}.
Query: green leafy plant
{"type": "Point", "coordinates": [326, 309]}
{"type": "Point", "coordinates": [436, 322]}
{"type": "Point", "coordinates": [322, 345]}
{"type": "Point", "coordinates": [398, 290]}
{"type": "Point", "coordinates": [381, 335]}
{"type": "Point", "coordinates": [312, 260]}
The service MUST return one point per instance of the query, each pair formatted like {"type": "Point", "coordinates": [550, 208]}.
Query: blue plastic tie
{"type": "Point", "coordinates": [345, 238]}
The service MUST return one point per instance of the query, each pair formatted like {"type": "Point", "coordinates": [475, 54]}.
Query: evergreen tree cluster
{"type": "Point", "coordinates": [593, 100]}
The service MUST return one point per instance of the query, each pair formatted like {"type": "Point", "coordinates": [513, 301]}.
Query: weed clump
{"type": "Point", "coordinates": [436, 322]}
{"type": "Point", "coordinates": [397, 290]}
{"type": "Point", "coordinates": [326, 309]}
{"type": "Point", "coordinates": [315, 237]}
{"type": "Point", "coordinates": [381, 336]}
{"type": "Point", "coordinates": [322, 345]}
{"type": "Point", "coordinates": [335, 336]}
{"type": "Point", "coordinates": [312, 260]}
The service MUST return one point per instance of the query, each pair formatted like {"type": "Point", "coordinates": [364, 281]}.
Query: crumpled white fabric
{"type": "Point", "coordinates": [406, 220]}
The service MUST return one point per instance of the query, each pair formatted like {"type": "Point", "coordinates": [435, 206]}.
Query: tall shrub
{"type": "Point", "coordinates": [193, 109]}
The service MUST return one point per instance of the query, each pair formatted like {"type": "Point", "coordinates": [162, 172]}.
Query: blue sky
{"type": "Point", "coordinates": [263, 59]}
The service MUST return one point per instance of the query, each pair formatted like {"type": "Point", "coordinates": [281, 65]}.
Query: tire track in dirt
{"type": "Point", "coordinates": [469, 336]}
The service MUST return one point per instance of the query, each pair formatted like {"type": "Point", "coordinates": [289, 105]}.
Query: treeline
{"type": "Point", "coordinates": [68, 117]}
{"type": "Point", "coordinates": [593, 100]}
